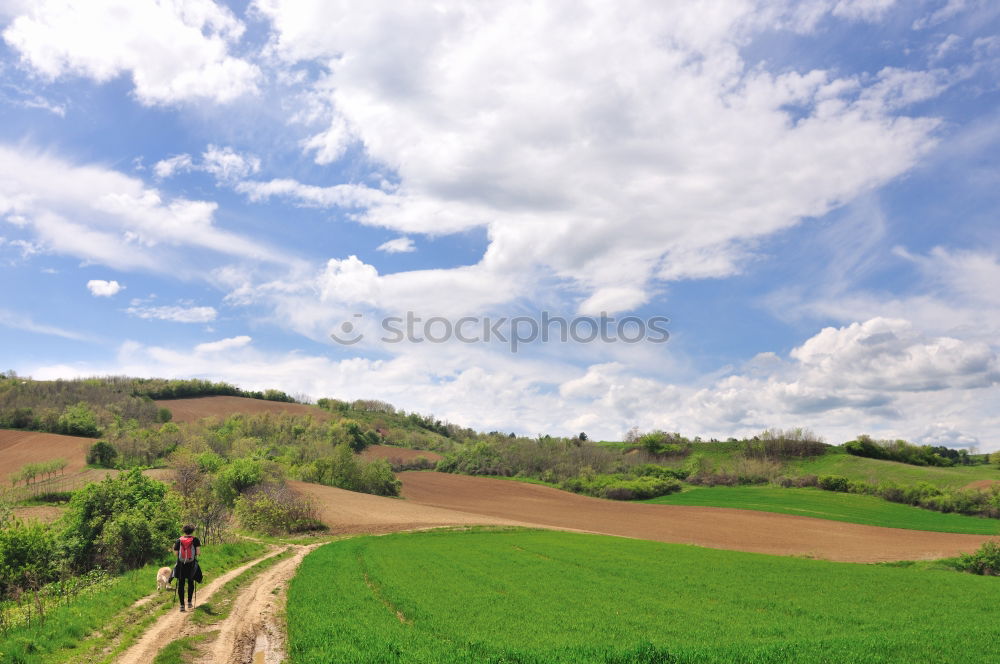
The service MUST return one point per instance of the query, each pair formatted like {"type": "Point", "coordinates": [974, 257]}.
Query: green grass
{"type": "Point", "coordinates": [537, 597]}
{"type": "Point", "coordinates": [180, 651]}
{"type": "Point", "coordinates": [69, 631]}
{"type": "Point", "coordinates": [820, 504]}
{"type": "Point", "coordinates": [877, 470]}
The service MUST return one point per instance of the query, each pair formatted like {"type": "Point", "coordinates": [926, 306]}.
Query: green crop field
{"type": "Point", "coordinates": [876, 470]}
{"type": "Point", "coordinates": [852, 508]}
{"type": "Point", "coordinates": [542, 597]}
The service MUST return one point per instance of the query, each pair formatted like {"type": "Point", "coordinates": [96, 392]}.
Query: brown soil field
{"type": "Point", "coordinates": [350, 512]}
{"type": "Point", "coordinates": [18, 448]}
{"type": "Point", "coordinates": [391, 453]}
{"type": "Point", "coordinates": [717, 528]}
{"type": "Point", "coordinates": [192, 410]}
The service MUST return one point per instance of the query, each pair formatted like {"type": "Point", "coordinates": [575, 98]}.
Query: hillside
{"type": "Point", "coordinates": [875, 470]}
{"type": "Point", "coordinates": [718, 528]}
{"type": "Point", "coordinates": [194, 409]}
{"type": "Point", "coordinates": [18, 448]}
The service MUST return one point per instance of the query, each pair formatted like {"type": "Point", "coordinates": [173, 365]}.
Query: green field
{"type": "Point", "coordinates": [820, 504]}
{"type": "Point", "coordinates": [534, 597]}
{"type": "Point", "coordinates": [876, 470]}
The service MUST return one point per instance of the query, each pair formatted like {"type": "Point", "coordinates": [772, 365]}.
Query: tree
{"type": "Point", "coordinates": [78, 420]}
{"type": "Point", "coordinates": [582, 436]}
{"type": "Point", "coordinates": [995, 458]}
{"type": "Point", "coordinates": [121, 522]}
{"type": "Point", "coordinates": [102, 453]}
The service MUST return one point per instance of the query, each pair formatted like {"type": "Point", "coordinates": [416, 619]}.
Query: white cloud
{"type": "Point", "coordinates": [341, 195]}
{"type": "Point", "coordinates": [841, 382]}
{"type": "Point", "coordinates": [224, 163]}
{"type": "Point", "coordinates": [223, 344]}
{"type": "Point", "coordinates": [18, 321]}
{"type": "Point", "coordinates": [950, 9]}
{"type": "Point", "coordinates": [399, 245]}
{"type": "Point", "coordinates": [176, 314]}
{"type": "Point", "coordinates": [174, 51]}
{"type": "Point", "coordinates": [102, 288]}
{"type": "Point", "coordinates": [228, 165]}
{"type": "Point", "coordinates": [165, 168]}
{"type": "Point", "coordinates": [608, 148]}
{"type": "Point", "coordinates": [106, 217]}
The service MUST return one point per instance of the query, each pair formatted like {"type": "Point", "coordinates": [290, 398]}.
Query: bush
{"type": "Point", "coordinates": [79, 420]}
{"type": "Point", "coordinates": [139, 516]}
{"type": "Point", "coordinates": [29, 556]}
{"type": "Point", "coordinates": [834, 483]}
{"type": "Point", "coordinates": [236, 477]}
{"type": "Point", "coordinates": [985, 561]}
{"type": "Point", "coordinates": [621, 487]}
{"type": "Point", "coordinates": [102, 453]}
{"type": "Point", "coordinates": [274, 510]}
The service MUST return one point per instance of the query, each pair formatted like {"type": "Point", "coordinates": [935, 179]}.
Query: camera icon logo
{"type": "Point", "coordinates": [348, 333]}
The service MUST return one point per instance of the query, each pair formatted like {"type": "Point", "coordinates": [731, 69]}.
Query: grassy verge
{"type": "Point", "coordinates": [536, 597]}
{"type": "Point", "coordinates": [820, 504]}
{"type": "Point", "coordinates": [95, 626]}
{"type": "Point", "coordinates": [181, 651]}
{"type": "Point", "coordinates": [867, 470]}
{"type": "Point", "coordinates": [209, 613]}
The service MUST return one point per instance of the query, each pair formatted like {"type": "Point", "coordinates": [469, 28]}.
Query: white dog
{"type": "Point", "coordinates": [163, 578]}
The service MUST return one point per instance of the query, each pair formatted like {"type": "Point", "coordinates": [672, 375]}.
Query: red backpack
{"type": "Point", "coordinates": [186, 552]}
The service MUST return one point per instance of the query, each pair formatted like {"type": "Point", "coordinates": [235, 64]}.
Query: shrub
{"type": "Point", "coordinates": [272, 510]}
{"type": "Point", "coordinates": [102, 453]}
{"type": "Point", "coordinates": [236, 477]}
{"type": "Point", "coordinates": [79, 420]}
{"type": "Point", "coordinates": [834, 483]}
{"type": "Point", "coordinates": [29, 556]}
{"type": "Point", "coordinates": [985, 561]}
{"type": "Point", "coordinates": [123, 522]}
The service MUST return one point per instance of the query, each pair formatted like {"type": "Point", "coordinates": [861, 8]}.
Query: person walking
{"type": "Point", "coordinates": [188, 547]}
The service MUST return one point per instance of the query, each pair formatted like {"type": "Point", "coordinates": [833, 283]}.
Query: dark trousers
{"type": "Point", "coordinates": [184, 573]}
{"type": "Point", "coordinates": [180, 589]}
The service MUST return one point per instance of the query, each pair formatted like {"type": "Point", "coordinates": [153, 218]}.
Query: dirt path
{"type": "Point", "coordinates": [175, 625]}
{"type": "Point", "coordinates": [252, 633]}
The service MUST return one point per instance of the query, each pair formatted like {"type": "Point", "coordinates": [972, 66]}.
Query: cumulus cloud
{"type": "Point", "coordinates": [102, 288]}
{"type": "Point", "coordinates": [399, 245]}
{"type": "Point", "coordinates": [475, 386]}
{"type": "Point", "coordinates": [610, 148]}
{"type": "Point", "coordinates": [176, 314]}
{"type": "Point", "coordinates": [173, 51]}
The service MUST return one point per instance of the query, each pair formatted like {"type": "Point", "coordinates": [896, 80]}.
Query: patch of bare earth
{"type": "Point", "coordinates": [717, 528]}
{"type": "Point", "coordinates": [18, 448]}
{"type": "Point", "coordinates": [192, 410]}
{"type": "Point", "coordinates": [347, 512]}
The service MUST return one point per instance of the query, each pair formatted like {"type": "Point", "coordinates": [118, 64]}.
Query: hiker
{"type": "Point", "coordinates": [187, 569]}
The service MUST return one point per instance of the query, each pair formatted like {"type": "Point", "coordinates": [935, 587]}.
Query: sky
{"type": "Point", "coordinates": [801, 196]}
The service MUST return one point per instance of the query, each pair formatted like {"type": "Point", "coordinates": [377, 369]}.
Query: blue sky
{"type": "Point", "coordinates": [807, 190]}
